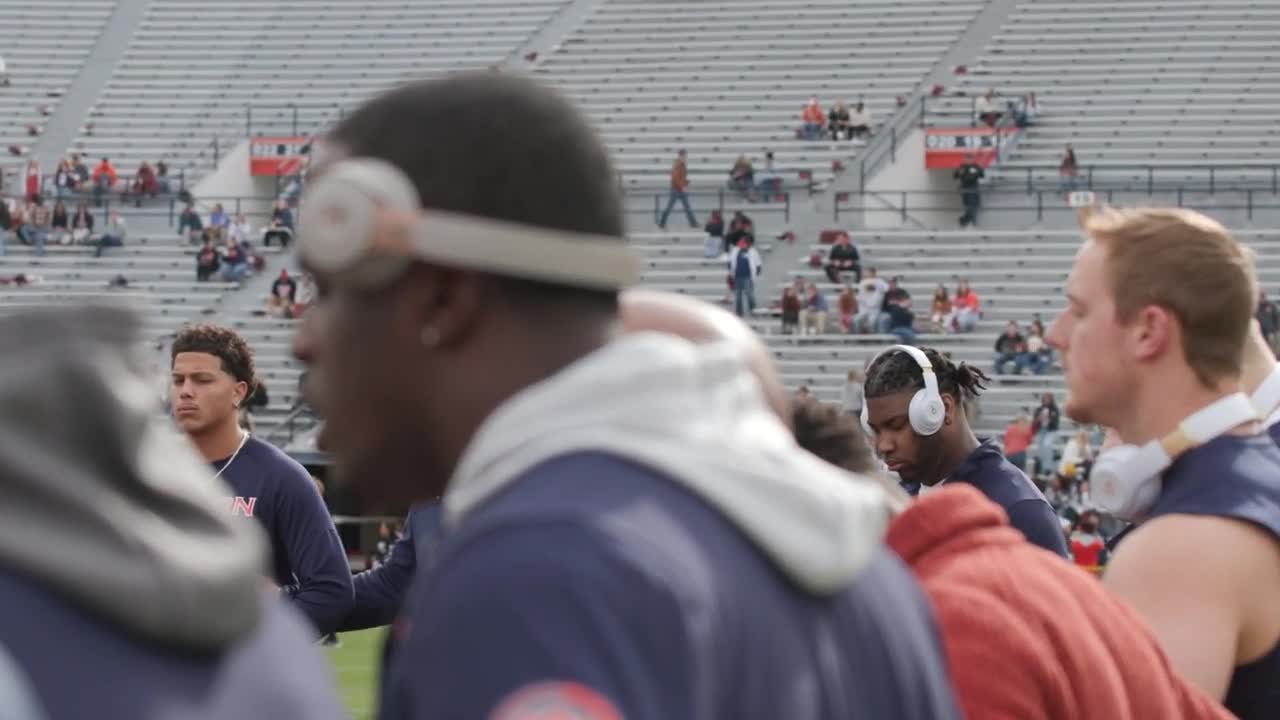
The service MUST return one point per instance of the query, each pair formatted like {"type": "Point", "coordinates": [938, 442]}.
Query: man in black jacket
{"type": "Point", "coordinates": [968, 175]}
{"type": "Point", "coordinates": [843, 258]}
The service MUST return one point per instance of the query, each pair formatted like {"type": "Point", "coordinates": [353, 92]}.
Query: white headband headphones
{"type": "Point", "coordinates": [363, 218]}
{"type": "Point", "coordinates": [1266, 399]}
{"type": "Point", "coordinates": [1126, 479]}
{"type": "Point", "coordinates": [926, 411]}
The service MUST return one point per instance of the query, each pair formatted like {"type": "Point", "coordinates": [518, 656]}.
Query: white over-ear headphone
{"type": "Point", "coordinates": [1266, 399]}
{"type": "Point", "coordinates": [362, 217]}
{"type": "Point", "coordinates": [1126, 479]}
{"type": "Point", "coordinates": [926, 411]}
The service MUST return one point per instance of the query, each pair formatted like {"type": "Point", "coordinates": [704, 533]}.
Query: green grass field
{"type": "Point", "coordinates": [355, 665]}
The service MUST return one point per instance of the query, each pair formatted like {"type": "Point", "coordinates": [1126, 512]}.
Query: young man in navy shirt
{"type": "Point", "coordinates": [212, 375]}
{"type": "Point", "coordinates": [629, 529]}
{"type": "Point", "coordinates": [1160, 304]}
{"type": "Point", "coordinates": [948, 452]}
{"type": "Point", "coordinates": [128, 591]}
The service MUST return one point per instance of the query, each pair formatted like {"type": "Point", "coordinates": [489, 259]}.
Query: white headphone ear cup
{"type": "Point", "coordinates": [336, 224]}
{"type": "Point", "coordinates": [926, 413]}
{"type": "Point", "coordinates": [1125, 480]}
{"type": "Point", "coordinates": [866, 424]}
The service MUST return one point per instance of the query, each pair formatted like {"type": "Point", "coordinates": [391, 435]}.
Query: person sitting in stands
{"type": "Point", "coordinates": [843, 258]}
{"type": "Point", "coordinates": [81, 223]}
{"type": "Point", "coordinates": [940, 308]}
{"type": "Point", "coordinates": [859, 122]}
{"type": "Point", "coordinates": [847, 307]}
{"type": "Point", "coordinates": [966, 309]}
{"type": "Point", "coordinates": [768, 183]}
{"type": "Point", "coordinates": [277, 231]}
{"type": "Point", "coordinates": [104, 179]}
{"type": "Point", "coordinates": [901, 319]}
{"type": "Point", "coordinates": [235, 262]}
{"type": "Point", "coordinates": [144, 183]}
{"type": "Point", "coordinates": [815, 311]}
{"type": "Point", "coordinates": [61, 235]}
{"type": "Point", "coordinates": [281, 299]}
{"type": "Point", "coordinates": [811, 120]}
{"type": "Point", "coordinates": [162, 177]}
{"type": "Point", "coordinates": [113, 234]}
{"type": "Point", "coordinates": [838, 121]}
{"type": "Point", "coordinates": [988, 109]}
{"type": "Point", "coordinates": [240, 230]}
{"type": "Point", "coordinates": [190, 224]}
{"type": "Point", "coordinates": [715, 235]}
{"type": "Point", "coordinates": [790, 310]}
{"type": "Point", "coordinates": [742, 176]}
{"type": "Point", "coordinates": [208, 260]}
{"type": "Point", "coordinates": [283, 214]}
{"type": "Point", "coordinates": [218, 222]}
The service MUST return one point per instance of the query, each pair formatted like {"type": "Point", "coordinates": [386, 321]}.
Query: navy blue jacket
{"type": "Point", "coordinates": [380, 592]}
{"type": "Point", "coordinates": [78, 666]}
{"type": "Point", "coordinates": [307, 558]}
{"type": "Point", "coordinates": [593, 582]}
{"type": "Point", "coordinates": [1010, 488]}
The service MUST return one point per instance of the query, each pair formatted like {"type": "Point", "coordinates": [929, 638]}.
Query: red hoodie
{"type": "Point", "coordinates": [1028, 635]}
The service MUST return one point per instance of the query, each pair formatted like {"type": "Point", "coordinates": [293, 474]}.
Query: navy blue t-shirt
{"type": "Point", "coordinates": [79, 666]}
{"type": "Point", "coordinates": [1004, 484]}
{"type": "Point", "coordinates": [593, 582]}
{"type": "Point", "coordinates": [1235, 477]}
{"type": "Point", "coordinates": [307, 559]}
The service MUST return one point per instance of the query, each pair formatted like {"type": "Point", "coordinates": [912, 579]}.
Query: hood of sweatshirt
{"type": "Point", "coordinates": [101, 501]}
{"type": "Point", "coordinates": [696, 415]}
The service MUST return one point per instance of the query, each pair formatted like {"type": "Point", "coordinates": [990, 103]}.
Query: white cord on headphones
{"type": "Point", "coordinates": [244, 438]}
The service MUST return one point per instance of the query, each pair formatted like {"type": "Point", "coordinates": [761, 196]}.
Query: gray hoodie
{"type": "Point", "coordinates": [103, 504]}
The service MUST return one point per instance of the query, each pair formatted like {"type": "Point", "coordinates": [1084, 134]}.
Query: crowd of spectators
{"type": "Point", "coordinates": [839, 122]}
{"type": "Point", "coordinates": [1028, 352]}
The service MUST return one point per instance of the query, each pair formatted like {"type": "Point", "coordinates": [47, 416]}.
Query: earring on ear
{"type": "Point", "coordinates": [429, 337]}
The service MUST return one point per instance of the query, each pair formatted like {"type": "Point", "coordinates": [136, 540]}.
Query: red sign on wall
{"type": "Point", "coordinates": [947, 148]}
{"type": "Point", "coordinates": [278, 155]}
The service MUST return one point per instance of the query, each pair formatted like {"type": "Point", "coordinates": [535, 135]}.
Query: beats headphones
{"type": "Point", "coordinates": [926, 411]}
{"type": "Point", "coordinates": [1126, 479]}
{"type": "Point", "coordinates": [362, 220]}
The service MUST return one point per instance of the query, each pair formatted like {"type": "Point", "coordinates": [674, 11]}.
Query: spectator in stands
{"type": "Point", "coordinates": [968, 176]}
{"type": "Point", "coordinates": [715, 235]}
{"type": "Point", "coordinates": [790, 308]}
{"type": "Point", "coordinates": [1074, 465]}
{"type": "Point", "coordinates": [871, 293]}
{"type": "Point", "coordinates": [283, 295]}
{"type": "Point", "coordinates": [1039, 356]}
{"type": "Point", "coordinates": [940, 308]}
{"type": "Point", "coordinates": [742, 176]}
{"type": "Point", "coordinates": [235, 262]}
{"type": "Point", "coordinates": [1026, 110]}
{"type": "Point", "coordinates": [240, 230]}
{"type": "Point", "coordinates": [38, 225]}
{"type": "Point", "coordinates": [811, 120]}
{"type": "Point", "coordinates": [679, 190]}
{"type": "Point", "coordinates": [218, 222]}
{"type": "Point", "coordinates": [901, 320]}
{"type": "Point", "coordinates": [190, 224]}
{"type": "Point", "coordinates": [768, 182]}
{"type": "Point", "coordinates": [852, 396]}
{"type": "Point", "coordinates": [1045, 427]}
{"type": "Point", "coordinates": [277, 231]}
{"type": "Point", "coordinates": [744, 266]}
{"type": "Point", "coordinates": [1009, 347]}
{"type": "Point", "coordinates": [113, 234]}
{"type": "Point", "coordinates": [843, 258]}
{"type": "Point", "coordinates": [81, 223]}
{"type": "Point", "coordinates": [144, 183]}
{"type": "Point", "coordinates": [847, 307]}
{"type": "Point", "coordinates": [1017, 438]}
{"type": "Point", "coordinates": [104, 179]}
{"type": "Point", "coordinates": [162, 177]}
{"type": "Point", "coordinates": [283, 214]}
{"type": "Point", "coordinates": [1088, 547]}
{"type": "Point", "coordinates": [64, 181]}
{"type": "Point", "coordinates": [6, 223]}
{"type": "Point", "coordinates": [740, 228]}
{"type": "Point", "coordinates": [838, 121]}
{"type": "Point", "coordinates": [815, 311]}
{"type": "Point", "coordinates": [208, 260]}
{"type": "Point", "coordinates": [81, 172]}
{"type": "Point", "coordinates": [895, 293]}
{"type": "Point", "coordinates": [1268, 316]}
{"type": "Point", "coordinates": [1068, 171]}
{"type": "Point", "coordinates": [58, 224]}
{"type": "Point", "coordinates": [966, 309]}
{"type": "Point", "coordinates": [988, 108]}
{"type": "Point", "coordinates": [859, 122]}
{"type": "Point", "coordinates": [32, 180]}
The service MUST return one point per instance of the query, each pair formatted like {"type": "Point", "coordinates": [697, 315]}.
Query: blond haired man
{"type": "Point", "coordinates": [1160, 303]}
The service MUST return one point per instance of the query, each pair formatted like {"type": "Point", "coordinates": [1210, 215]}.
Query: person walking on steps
{"type": "Point", "coordinates": [679, 190]}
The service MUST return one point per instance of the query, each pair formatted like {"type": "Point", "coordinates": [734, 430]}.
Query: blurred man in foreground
{"type": "Point", "coordinates": [619, 513]}
{"type": "Point", "coordinates": [128, 590]}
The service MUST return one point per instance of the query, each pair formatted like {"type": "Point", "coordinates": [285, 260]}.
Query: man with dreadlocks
{"type": "Point", "coordinates": [914, 411]}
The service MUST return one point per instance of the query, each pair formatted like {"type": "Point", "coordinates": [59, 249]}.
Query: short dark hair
{"type": "Point", "coordinates": [500, 146]}
{"type": "Point", "coordinates": [222, 343]}
{"type": "Point", "coordinates": [834, 436]}
{"type": "Point", "coordinates": [894, 371]}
